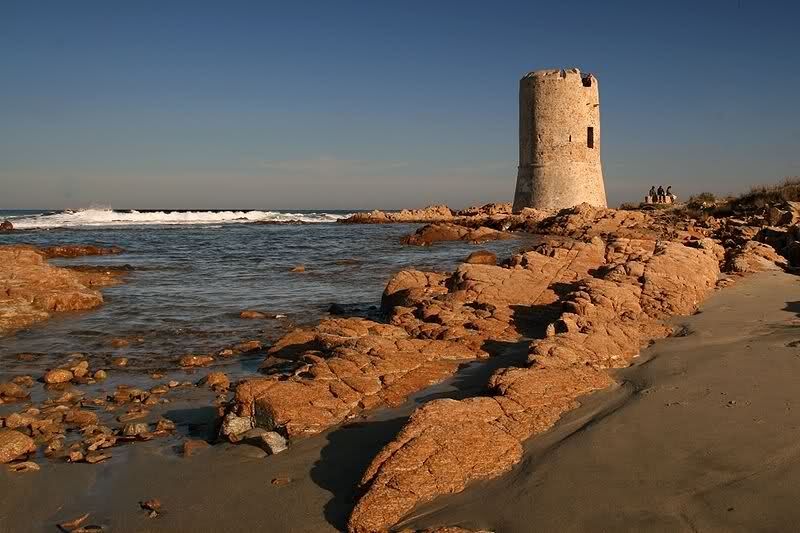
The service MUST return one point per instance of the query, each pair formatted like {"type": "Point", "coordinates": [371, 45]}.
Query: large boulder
{"type": "Point", "coordinates": [31, 289]}
{"type": "Point", "coordinates": [6, 226]}
{"type": "Point", "coordinates": [408, 287]}
{"type": "Point", "coordinates": [753, 257]}
{"type": "Point", "coordinates": [481, 257]}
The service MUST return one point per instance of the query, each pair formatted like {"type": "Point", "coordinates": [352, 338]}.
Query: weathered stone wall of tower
{"type": "Point", "coordinates": [559, 141]}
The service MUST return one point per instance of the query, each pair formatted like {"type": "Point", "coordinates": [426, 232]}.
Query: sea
{"type": "Point", "coordinates": [193, 272]}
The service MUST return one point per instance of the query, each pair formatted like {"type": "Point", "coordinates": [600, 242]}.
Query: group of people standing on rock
{"type": "Point", "coordinates": [660, 196]}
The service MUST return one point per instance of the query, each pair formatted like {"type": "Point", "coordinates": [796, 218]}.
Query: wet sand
{"type": "Point", "coordinates": [702, 434]}
{"type": "Point", "coordinates": [226, 487]}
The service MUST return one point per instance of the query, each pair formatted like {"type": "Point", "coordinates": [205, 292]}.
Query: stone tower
{"type": "Point", "coordinates": [559, 141]}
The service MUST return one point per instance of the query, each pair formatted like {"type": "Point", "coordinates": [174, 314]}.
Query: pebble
{"type": "Point", "coordinates": [152, 505]}
{"type": "Point", "coordinates": [165, 424]}
{"type": "Point", "coordinates": [58, 375]}
{"type": "Point", "coordinates": [192, 447]}
{"type": "Point", "coordinates": [12, 391]}
{"type": "Point", "coordinates": [137, 428]}
{"type": "Point", "coordinates": [248, 346]}
{"type": "Point", "coordinates": [246, 451]}
{"type": "Point", "coordinates": [27, 466]}
{"type": "Point", "coordinates": [75, 456]}
{"type": "Point", "coordinates": [134, 414]}
{"type": "Point", "coordinates": [97, 457]}
{"type": "Point", "coordinates": [81, 369]}
{"type": "Point", "coordinates": [24, 381]}
{"type": "Point", "coordinates": [216, 381]}
{"type": "Point", "coordinates": [270, 441]}
{"type": "Point", "coordinates": [252, 314]}
{"type": "Point", "coordinates": [72, 524]}
{"type": "Point", "coordinates": [195, 360]}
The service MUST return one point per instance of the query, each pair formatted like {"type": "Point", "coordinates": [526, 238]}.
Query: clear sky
{"type": "Point", "coordinates": [345, 104]}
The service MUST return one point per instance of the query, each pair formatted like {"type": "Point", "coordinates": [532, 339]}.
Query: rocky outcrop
{"type": "Point", "coordinates": [408, 287]}
{"type": "Point", "coordinates": [326, 374]}
{"type": "Point", "coordinates": [6, 226]}
{"type": "Point", "coordinates": [31, 289]}
{"type": "Point", "coordinates": [432, 213]}
{"type": "Point", "coordinates": [605, 320]}
{"type": "Point", "coordinates": [481, 257]}
{"type": "Point", "coordinates": [585, 221]}
{"type": "Point", "coordinates": [78, 250]}
{"type": "Point", "coordinates": [492, 209]}
{"type": "Point", "coordinates": [431, 233]}
{"type": "Point", "coordinates": [481, 302]}
{"type": "Point", "coordinates": [754, 256]}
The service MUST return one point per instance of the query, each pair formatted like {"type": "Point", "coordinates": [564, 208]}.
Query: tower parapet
{"type": "Point", "coordinates": [559, 141]}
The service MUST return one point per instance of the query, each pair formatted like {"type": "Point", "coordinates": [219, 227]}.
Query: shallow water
{"type": "Point", "coordinates": [190, 281]}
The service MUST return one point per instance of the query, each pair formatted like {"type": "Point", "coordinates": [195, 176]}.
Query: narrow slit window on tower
{"type": "Point", "coordinates": [590, 137]}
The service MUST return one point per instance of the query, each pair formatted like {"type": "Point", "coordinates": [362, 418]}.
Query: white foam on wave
{"type": "Point", "coordinates": [108, 217]}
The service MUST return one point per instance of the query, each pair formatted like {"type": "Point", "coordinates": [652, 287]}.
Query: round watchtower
{"type": "Point", "coordinates": [559, 141]}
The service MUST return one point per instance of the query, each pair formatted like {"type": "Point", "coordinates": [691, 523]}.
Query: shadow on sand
{"type": "Point", "coordinates": [351, 448]}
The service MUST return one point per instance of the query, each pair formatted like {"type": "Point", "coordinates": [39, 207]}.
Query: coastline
{"type": "Point", "coordinates": [573, 475]}
{"type": "Point", "coordinates": [551, 320]}
{"type": "Point", "coordinates": [700, 434]}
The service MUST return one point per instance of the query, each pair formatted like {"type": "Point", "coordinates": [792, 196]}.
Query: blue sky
{"type": "Point", "coordinates": [346, 104]}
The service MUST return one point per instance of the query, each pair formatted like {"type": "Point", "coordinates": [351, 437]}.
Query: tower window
{"type": "Point", "coordinates": [587, 80]}
{"type": "Point", "coordinates": [590, 137]}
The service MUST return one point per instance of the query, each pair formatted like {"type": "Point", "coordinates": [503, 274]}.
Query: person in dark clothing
{"type": "Point", "coordinates": [661, 195]}
{"type": "Point", "coordinates": [652, 193]}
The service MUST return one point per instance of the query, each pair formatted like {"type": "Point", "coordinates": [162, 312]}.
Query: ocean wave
{"type": "Point", "coordinates": [108, 217]}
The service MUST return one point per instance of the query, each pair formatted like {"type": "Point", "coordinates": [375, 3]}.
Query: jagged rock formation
{"type": "Point", "coordinates": [78, 250]}
{"type": "Point", "coordinates": [337, 369]}
{"type": "Point", "coordinates": [343, 366]}
{"type": "Point", "coordinates": [488, 214]}
{"type": "Point", "coordinates": [439, 232]}
{"type": "Point", "coordinates": [31, 289]}
{"type": "Point", "coordinates": [604, 322]}
{"type": "Point", "coordinates": [591, 295]}
{"type": "Point", "coordinates": [432, 213]}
